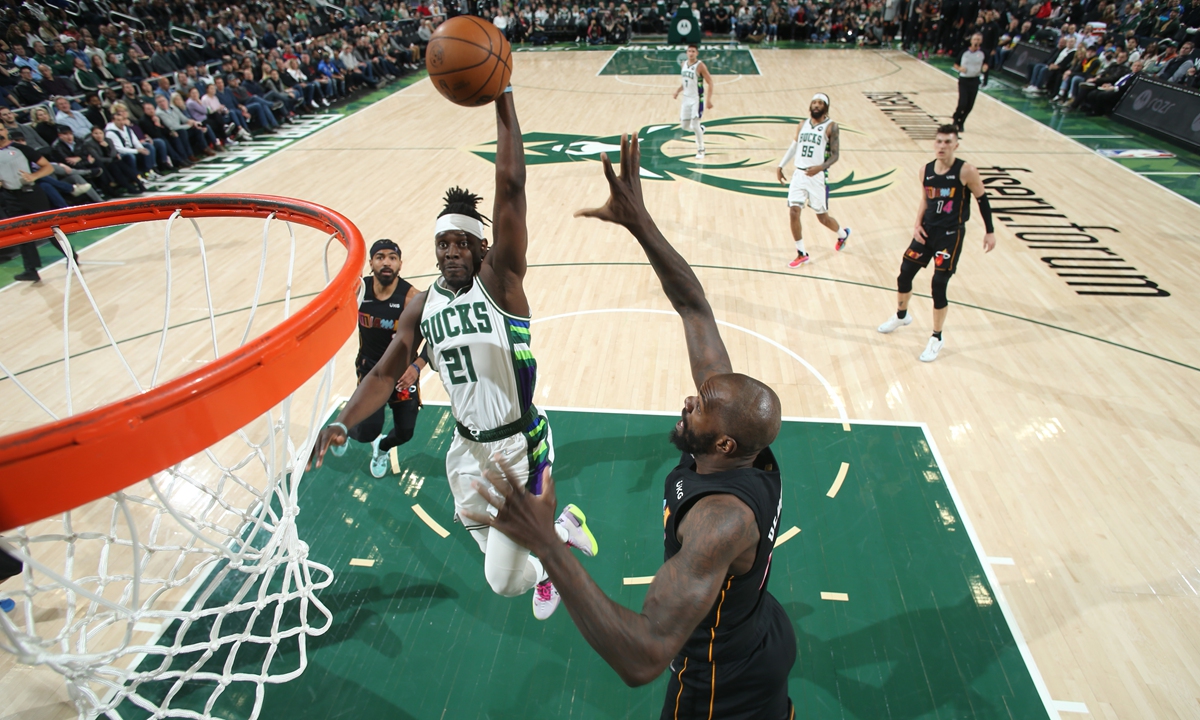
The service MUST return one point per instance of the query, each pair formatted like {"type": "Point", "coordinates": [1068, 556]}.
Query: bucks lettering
{"type": "Point", "coordinates": [481, 354]}
{"type": "Point", "coordinates": [457, 320]}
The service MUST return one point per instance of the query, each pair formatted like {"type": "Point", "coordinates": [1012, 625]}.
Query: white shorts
{"type": "Point", "coordinates": [691, 108]}
{"type": "Point", "coordinates": [809, 190]}
{"type": "Point", "coordinates": [508, 567]}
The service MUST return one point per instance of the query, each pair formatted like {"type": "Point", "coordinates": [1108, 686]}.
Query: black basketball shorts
{"type": "Point", "coordinates": [942, 246]}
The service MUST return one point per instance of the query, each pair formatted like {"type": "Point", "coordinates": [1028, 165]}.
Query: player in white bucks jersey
{"type": "Point", "coordinates": [695, 80]}
{"type": "Point", "coordinates": [816, 147]}
{"type": "Point", "coordinates": [474, 320]}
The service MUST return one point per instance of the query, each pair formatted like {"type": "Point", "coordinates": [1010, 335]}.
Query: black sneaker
{"type": "Point", "coordinates": [28, 276]}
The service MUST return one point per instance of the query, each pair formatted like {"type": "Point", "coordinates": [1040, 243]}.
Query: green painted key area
{"type": "Point", "coordinates": [420, 635]}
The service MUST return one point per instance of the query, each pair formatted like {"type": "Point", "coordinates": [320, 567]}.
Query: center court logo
{"type": "Point", "coordinates": [729, 165]}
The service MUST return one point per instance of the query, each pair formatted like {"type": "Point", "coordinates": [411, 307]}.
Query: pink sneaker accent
{"type": "Point", "coordinates": [800, 260]}
{"type": "Point", "coordinates": [841, 243]}
{"type": "Point", "coordinates": [545, 600]}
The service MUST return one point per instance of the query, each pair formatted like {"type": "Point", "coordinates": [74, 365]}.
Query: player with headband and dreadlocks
{"type": "Point", "coordinates": [474, 320]}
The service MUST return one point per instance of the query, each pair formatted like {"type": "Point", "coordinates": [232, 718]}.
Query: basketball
{"type": "Point", "coordinates": [469, 61]}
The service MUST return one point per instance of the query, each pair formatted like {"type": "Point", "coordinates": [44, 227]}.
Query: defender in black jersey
{"type": "Point", "coordinates": [385, 294]}
{"type": "Point", "coordinates": [708, 616]}
{"type": "Point", "coordinates": [938, 236]}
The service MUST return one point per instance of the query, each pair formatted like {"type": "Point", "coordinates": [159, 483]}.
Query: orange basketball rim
{"type": "Point", "coordinates": [55, 467]}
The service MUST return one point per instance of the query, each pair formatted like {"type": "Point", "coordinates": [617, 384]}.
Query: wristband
{"type": "Point", "coordinates": [985, 212]}
{"type": "Point", "coordinates": [508, 89]}
{"type": "Point", "coordinates": [345, 430]}
{"type": "Point", "coordinates": [417, 368]}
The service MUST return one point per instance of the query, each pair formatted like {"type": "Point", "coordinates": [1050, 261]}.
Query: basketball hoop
{"type": "Point", "coordinates": [174, 509]}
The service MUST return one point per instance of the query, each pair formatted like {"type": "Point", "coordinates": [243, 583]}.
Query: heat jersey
{"type": "Point", "coordinates": [812, 144]}
{"type": "Point", "coordinates": [481, 354]}
{"type": "Point", "coordinates": [377, 319]}
{"type": "Point", "coordinates": [946, 205]}
{"type": "Point", "coordinates": [693, 82]}
{"type": "Point", "coordinates": [734, 625]}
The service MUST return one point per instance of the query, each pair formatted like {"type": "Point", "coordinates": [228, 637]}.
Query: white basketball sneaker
{"type": "Point", "coordinates": [339, 450]}
{"type": "Point", "coordinates": [545, 599]}
{"type": "Point", "coordinates": [894, 322]}
{"type": "Point", "coordinates": [932, 348]}
{"type": "Point", "coordinates": [379, 460]}
{"type": "Point", "coordinates": [579, 536]}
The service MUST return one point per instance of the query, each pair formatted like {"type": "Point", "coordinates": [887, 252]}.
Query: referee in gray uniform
{"type": "Point", "coordinates": [969, 69]}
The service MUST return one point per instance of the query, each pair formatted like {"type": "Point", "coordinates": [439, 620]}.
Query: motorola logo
{"type": "Point", "coordinates": [1141, 101]}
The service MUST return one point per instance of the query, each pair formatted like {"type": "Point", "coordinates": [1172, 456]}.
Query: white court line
{"type": "Point", "coordinates": [754, 60]}
{"type": "Point", "coordinates": [1093, 137]}
{"type": "Point", "coordinates": [675, 413]}
{"type": "Point", "coordinates": [837, 400]}
{"type": "Point", "coordinates": [606, 62]}
{"type": "Point", "coordinates": [1156, 172]}
{"type": "Point", "coordinates": [1038, 681]}
{"type": "Point", "coordinates": [1072, 707]}
{"type": "Point", "coordinates": [1001, 561]}
{"type": "Point", "coordinates": [620, 79]}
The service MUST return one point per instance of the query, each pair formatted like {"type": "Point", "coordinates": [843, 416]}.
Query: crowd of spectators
{"type": "Point", "coordinates": [115, 96]}
{"type": "Point", "coordinates": [102, 98]}
{"type": "Point", "coordinates": [1097, 47]}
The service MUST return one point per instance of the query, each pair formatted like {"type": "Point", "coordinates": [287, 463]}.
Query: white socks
{"type": "Point", "coordinates": [843, 233]}
{"type": "Point", "coordinates": [800, 246]}
{"type": "Point", "coordinates": [699, 137]}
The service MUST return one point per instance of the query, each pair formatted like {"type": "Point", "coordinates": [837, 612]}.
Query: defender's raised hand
{"type": "Point", "coordinates": [625, 205]}
{"type": "Point", "coordinates": [525, 518]}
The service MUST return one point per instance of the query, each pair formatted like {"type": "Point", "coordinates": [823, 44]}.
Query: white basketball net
{"type": "Point", "coordinates": [159, 600]}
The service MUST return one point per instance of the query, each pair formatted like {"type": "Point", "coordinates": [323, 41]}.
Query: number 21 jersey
{"type": "Point", "coordinates": [481, 354]}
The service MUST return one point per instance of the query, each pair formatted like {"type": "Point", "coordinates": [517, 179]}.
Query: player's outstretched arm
{"type": "Point", "coordinates": [504, 266]}
{"type": "Point", "coordinates": [375, 389]}
{"type": "Point", "coordinates": [625, 207]}
{"type": "Point", "coordinates": [639, 646]}
{"type": "Point", "coordinates": [974, 182]}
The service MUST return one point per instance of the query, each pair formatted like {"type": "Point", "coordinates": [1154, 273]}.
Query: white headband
{"type": "Point", "coordinates": [465, 223]}
{"type": "Point", "coordinates": [822, 97]}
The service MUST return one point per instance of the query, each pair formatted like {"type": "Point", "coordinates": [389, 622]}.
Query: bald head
{"type": "Point", "coordinates": [749, 412]}
{"type": "Point", "coordinates": [733, 417]}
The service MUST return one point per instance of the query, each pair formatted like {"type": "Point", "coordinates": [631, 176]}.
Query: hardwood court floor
{"type": "Point", "coordinates": [1068, 421]}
